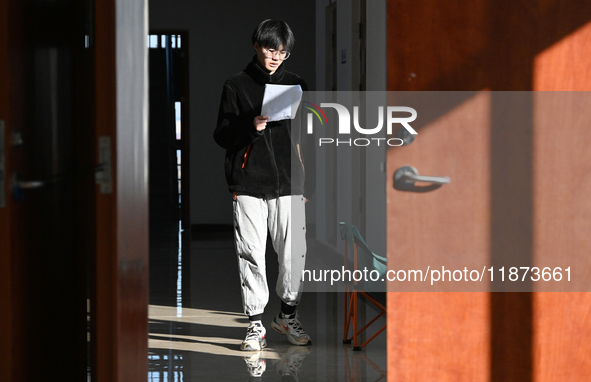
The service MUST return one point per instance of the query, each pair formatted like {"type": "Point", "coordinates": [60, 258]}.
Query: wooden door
{"type": "Point", "coordinates": [518, 188]}
{"type": "Point", "coordinates": [66, 244]}
{"type": "Point", "coordinates": [47, 188]}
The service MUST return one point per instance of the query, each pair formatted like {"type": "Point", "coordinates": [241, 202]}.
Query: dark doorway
{"type": "Point", "coordinates": [168, 129]}
{"type": "Point", "coordinates": [169, 158]}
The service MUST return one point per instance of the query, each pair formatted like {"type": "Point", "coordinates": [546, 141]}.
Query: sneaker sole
{"type": "Point", "coordinates": [276, 327]}
{"type": "Point", "coordinates": [249, 347]}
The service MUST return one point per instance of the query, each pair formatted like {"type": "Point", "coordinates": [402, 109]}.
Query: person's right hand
{"type": "Point", "coordinates": [260, 122]}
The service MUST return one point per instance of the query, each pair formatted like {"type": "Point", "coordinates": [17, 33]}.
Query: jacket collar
{"type": "Point", "coordinates": [260, 75]}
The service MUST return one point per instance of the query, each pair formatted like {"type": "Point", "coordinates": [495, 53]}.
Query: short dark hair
{"type": "Point", "coordinates": [272, 34]}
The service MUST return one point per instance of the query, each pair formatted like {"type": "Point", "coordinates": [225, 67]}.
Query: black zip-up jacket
{"type": "Point", "coordinates": [258, 162]}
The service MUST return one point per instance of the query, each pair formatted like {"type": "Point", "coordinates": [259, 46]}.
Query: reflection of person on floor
{"type": "Point", "coordinates": [287, 367]}
{"type": "Point", "coordinates": [256, 364]}
{"type": "Point", "coordinates": [268, 190]}
{"type": "Point", "coordinates": [291, 360]}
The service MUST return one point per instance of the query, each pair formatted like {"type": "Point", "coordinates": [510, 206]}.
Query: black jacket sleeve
{"type": "Point", "coordinates": [234, 131]}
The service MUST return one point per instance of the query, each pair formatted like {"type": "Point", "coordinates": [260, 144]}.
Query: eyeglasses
{"type": "Point", "coordinates": [281, 54]}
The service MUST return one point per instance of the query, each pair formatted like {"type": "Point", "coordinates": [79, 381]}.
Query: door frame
{"type": "Point", "coordinates": [119, 288]}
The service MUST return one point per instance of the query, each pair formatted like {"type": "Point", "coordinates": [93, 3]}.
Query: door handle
{"type": "Point", "coordinates": [406, 176]}
{"type": "Point", "coordinates": [19, 185]}
{"type": "Point", "coordinates": [26, 184]}
{"type": "Point", "coordinates": [29, 184]}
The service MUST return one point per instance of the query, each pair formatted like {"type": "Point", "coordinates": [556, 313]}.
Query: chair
{"type": "Point", "coordinates": [372, 290]}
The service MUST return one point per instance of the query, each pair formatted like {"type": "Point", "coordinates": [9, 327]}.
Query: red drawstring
{"type": "Point", "coordinates": [246, 156]}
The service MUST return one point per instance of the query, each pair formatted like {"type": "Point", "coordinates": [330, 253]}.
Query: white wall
{"type": "Point", "coordinates": [219, 46]}
{"type": "Point", "coordinates": [376, 230]}
{"type": "Point", "coordinates": [376, 80]}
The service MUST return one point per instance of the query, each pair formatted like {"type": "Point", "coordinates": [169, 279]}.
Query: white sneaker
{"type": "Point", "coordinates": [292, 328]}
{"type": "Point", "coordinates": [255, 337]}
{"type": "Point", "coordinates": [256, 364]}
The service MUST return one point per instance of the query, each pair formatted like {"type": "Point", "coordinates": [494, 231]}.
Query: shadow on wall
{"type": "Point", "coordinates": [496, 45]}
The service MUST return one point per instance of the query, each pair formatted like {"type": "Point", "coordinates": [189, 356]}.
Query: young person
{"type": "Point", "coordinates": [267, 188]}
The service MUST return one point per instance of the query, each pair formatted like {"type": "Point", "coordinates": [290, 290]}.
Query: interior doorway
{"type": "Point", "coordinates": [169, 158]}
{"type": "Point", "coordinates": [169, 130]}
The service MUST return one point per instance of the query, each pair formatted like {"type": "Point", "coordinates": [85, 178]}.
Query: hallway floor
{"type": "Point", "coordinates": [197, 324]}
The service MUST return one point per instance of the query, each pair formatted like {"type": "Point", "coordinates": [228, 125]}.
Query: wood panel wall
{"type": "Point", "coordinates": [542, 45]}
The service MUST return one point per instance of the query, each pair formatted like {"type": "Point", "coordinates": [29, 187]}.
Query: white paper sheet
{"type": "Point", "coordinates": [281, 101]}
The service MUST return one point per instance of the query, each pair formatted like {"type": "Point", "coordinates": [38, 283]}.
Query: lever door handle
{"type": "Point", "coordinates": [26, 184]}
{"type": "Point", "coordinates": [406, 176]}
{"type": "Point", "coordinates": [30, 184]}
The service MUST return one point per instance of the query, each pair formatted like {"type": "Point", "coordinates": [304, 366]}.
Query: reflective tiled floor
{"type": "Point", "coordinates": [196, 324]}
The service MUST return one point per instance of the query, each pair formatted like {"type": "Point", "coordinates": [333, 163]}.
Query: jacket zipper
{"type": "Point", "coordinates": [273, 150]}
{"type": "Point", "coordinates": [245, 159]}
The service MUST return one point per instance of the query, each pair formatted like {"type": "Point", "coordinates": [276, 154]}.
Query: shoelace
{"type": "Point", "coordinates": [253, 332]}
{"type": "Point", "coordinates": [296, 324]}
